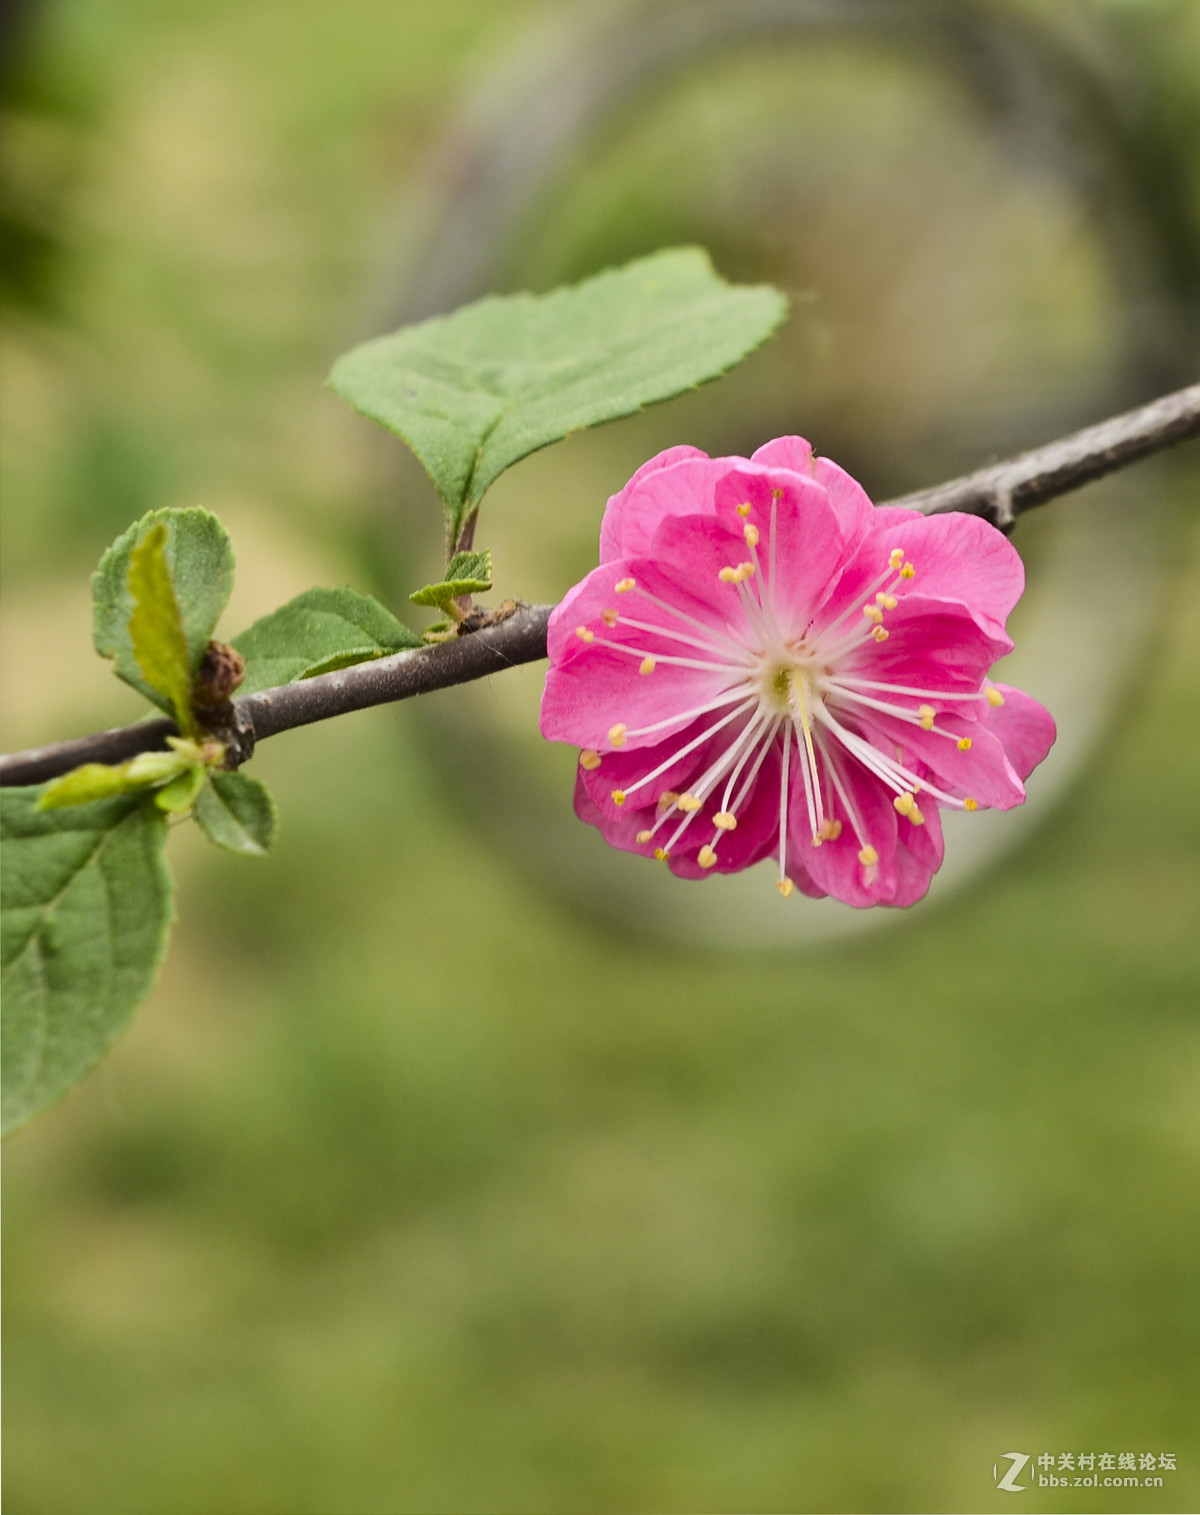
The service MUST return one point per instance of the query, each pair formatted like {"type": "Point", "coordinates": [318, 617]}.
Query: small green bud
{"type": "Point", "coordinates": [150, 768]}
{"type": "Point", "coordinates": [92, 781]}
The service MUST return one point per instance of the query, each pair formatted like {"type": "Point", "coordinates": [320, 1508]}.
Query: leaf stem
{"type": "Point", "coordinates": [999, 493]}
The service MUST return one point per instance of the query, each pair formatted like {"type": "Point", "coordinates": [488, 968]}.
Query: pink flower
{"type": "Point", "coordinates": [766, 665]}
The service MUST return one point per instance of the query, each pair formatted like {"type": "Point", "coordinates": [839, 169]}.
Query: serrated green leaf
{"type": "Point", "coordinates": [155, 628]}
{"type": "Point", "coordinates": [199, 559]}
{"type": "Point", "coordinates": [237, 812]}
{"type": "Point", "coordinates": [85, 901]}
{"type": "Point", "coordinates": [318, 631]}
{"type": "Point", "coordinates": [466, 573]}
{"type": "Point", "coordinates": [473, 392]}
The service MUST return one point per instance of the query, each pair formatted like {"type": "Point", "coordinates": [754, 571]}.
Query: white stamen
{"type": "Point", "coordinates": [854, 608]}
{"type": "Point", "coordinates": [691, 620]}
{"type": "Point", "coordinates": [690, 747]}
{"type": "Point", "coordinates": [917, 694]}
{"type": "Point", "coordinates": [767, 745]}
{"type": "Point", "coordinates": [744, 656]}
{"type": "Point", "coordinates": [893, 773]}
{"type": "Point", "coordinates": [783, 799]}
{"type": "Point", "coordinates": [910, 717]}
{"type": "Point", "coordinates": [757, 724]}
{"type": "Point", "coordinates": [708, 781]}
{"type": "Point", "coordinates": [737, 693]}
{"type": "Point", "coordinates": [661, 657]}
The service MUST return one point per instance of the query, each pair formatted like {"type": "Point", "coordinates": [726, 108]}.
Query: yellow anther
{"type": "Point", "coordinates": [831, 830]}
{"type": "Point", "coordinates": [707, 857]}
{"type": "Point", "coordinates": [993, 696]}
{"type": "Point", "coordinates": [896, 557]}
{"type": "Point", "coordinates": [744, 510]}
{"type": "Point", "coordinates": [589, 758]}
{"type": "Point", "coordinates": [647, 665]}
{"type": "Point", "coordinates": [689, 802]}
{"type": "Point", "coordinates": [751, 535]}
{"type": "Point", "coordinates": [616, 735]}
{"type": "Point", "coordinates": [610, 617]}
{"type": "Point", "coordinates": [873, 613]}
{"type": "Point", "coordinates": [777, 494]}
{"type": "Point", "coordinates": [746, 570]}
{"type": "Point", "coordinates": [785, 887]}
{"type": "Point", "coordinates": [916, 817]}
{"type": "Point", "coordinates": [905, 804]}
{"type": "Point", "coordinates": [868, 857]}
{"type": "Point", "coordinates": [584, 634]}
{"type": "Point", "coordinates": [623, 586]}
{"type": "Point", "coordinates": [964, 744]}
{"type": "Point", "coordinates": [728, 576]}
{"type": "Point", "coordinates": [725, 820]}
{"type": "Point", "coordinates": [926, 713]}
{"type": "Point", "coordinates": [908, 571]}
{"type": "Point", "coordinates": [618, 796]}
{"type": "Point", "coordinates": [661, 854]}
{"type": "Point", "coordinates": [643, 837]}
{"type": "Point", "coordinates": [880, 634]}
{"type": "Point", "coordinates": [888, 601]}
{"type": "Point", "coordinates": [970, 804]}
{"type": "Point", "coordinates": [667, 799]}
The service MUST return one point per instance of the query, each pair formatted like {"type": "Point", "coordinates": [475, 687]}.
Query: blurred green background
{"type": "Point", "coordinates": [424, 1182]}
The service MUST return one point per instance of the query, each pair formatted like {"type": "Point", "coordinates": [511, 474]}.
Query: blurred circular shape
{"type": "Point", "coordinates": [947, 196]}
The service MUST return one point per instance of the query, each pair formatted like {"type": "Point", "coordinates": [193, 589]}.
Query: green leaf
{"type": "Point", "coordinates": [466, 573]}
{"type": "Point", "coordinates": [237, 812]}
{"type": "Point", "coordinates": [85, 901]}
{"type": "Point", "coordinates": [473, 392]}
{"type": "Point", "coordinates": [199, 560]}
{"type": "Point", "coordinates": [180, 794]}
{"type": "Point", "coordinates": [320, 630]}
{"type": "Point", "coordinates": [155, 628]}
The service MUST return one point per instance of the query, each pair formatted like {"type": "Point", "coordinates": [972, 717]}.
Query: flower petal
{"type": "Point", "coordinates": [919, 854]}
{"type": "Point", "coordinates": [1025, 728]}
{"type": "Point", "coordinates": [808, 541]}
{"type": "Point", "coordinates": [983, 771]}
{"type": "Point", "coordinates": [632, 514]}
{"type": "Point", "coordinates": [793, 453]}
{"type": "Point", "coordinates": [931, 644]}
{"type": "Point", "coordinates": [850, 501]}
{"type": "Point", "coordinates": [954, 557]}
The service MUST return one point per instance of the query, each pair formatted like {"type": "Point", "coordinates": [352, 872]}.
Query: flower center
{"type": "Point", "coordinates": [789, 688]}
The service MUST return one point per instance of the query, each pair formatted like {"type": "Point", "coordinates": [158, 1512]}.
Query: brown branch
{"type": "Point", "coordinates": [520, 638]}
{"type": "Point", "coordinates": [1004, 491]}
{"type": "Point", "coordinates": [1000, 493]}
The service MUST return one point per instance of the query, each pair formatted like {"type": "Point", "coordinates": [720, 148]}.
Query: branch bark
{"type": "Point", "coordinates": [999, 493]}
{"type": "Point", "coordinates": [1004, 491]}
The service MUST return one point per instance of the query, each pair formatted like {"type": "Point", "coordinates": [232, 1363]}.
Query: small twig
{"type": "Point", "coordinates": [1000, 493]}
{"type": "Point", "coordinates": [1006, 490]}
